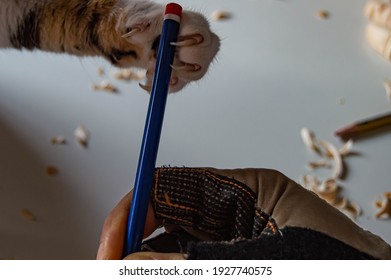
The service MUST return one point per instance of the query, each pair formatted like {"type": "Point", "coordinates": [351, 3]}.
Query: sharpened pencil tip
{"type": "Point", "coordinates": [346, 133]}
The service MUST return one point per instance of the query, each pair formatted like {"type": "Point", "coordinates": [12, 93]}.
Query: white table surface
{"type": "Point", "coordinates": [280, 68]}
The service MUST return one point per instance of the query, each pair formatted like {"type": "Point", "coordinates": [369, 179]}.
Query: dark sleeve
{"type": "Point", "coordinates": [291, 243]}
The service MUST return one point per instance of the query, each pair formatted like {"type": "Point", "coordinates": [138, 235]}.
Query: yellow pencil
{"type": "Point", "coordinates": [361, 127]}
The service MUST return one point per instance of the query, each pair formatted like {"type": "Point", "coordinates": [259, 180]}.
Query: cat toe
{"type": "Point", "coordinates": [186, 67]}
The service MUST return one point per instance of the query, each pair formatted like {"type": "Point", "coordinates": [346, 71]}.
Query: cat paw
{"type": "Point", "coordinates": [196, 47]}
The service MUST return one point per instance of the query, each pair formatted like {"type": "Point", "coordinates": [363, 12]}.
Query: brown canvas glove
{"type": "Point", "coordinates": [215, 204]}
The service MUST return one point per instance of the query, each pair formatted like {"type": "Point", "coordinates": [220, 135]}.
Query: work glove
{"type": "Point", "coordinates": [249, 213]}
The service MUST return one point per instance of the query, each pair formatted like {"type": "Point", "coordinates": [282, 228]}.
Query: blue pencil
{"type": "Point", "coordinates": [152, 130]}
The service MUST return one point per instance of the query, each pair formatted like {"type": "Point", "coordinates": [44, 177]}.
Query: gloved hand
{"type": "Point", "coordinates": [242, 214]}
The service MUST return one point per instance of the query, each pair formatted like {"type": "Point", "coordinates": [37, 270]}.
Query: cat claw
{"type": "Point", "coordinates": [188, 67]}
{"type": "Point", "coordinates": [148, 88]}
{"type": "Point", "coordinates": [131, 32]}
{"type": "Point", "coordinates": [187, 41]}
{"type": "Point", "coordinates": [145, 87]}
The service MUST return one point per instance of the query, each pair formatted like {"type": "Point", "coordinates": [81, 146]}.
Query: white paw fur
{"type": "Point", "coordinates": [196, 46]}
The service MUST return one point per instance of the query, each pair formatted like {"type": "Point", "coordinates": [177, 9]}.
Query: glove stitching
{"type": "Point", "coordinates": [217, 196]}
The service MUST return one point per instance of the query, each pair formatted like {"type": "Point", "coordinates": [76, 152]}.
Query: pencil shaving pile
{"type": "Point", "coordinates": [378, 34]}
{"type": "Point", "coordinates": [331, 158]}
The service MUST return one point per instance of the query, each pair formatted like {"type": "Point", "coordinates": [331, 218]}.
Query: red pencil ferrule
{"type": "Point", "coordinates": [173, 11]}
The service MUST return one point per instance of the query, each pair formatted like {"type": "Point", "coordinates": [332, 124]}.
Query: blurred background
{"type": "Point", "coordinates": [281, 68]}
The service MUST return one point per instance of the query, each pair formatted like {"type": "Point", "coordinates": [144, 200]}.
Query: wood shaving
{"type": "Point", "coordinates": [329, 189]}
{"type": "Point", "coordinates": [348, 207]}
{"type": "Point", "coordinates": [334, 153]}
{"type": "Point", "coordinates": [328, 150]}
{"type": "Point", "coordinates": [309, 181]}
{"type": "Point", "coordinates": [309, 140]}
{"type": "Point", "coordinates": [384, 206]}
{"type": "Point", "coordinates": [129, 75]}
{"type": "Point", "coordinates": [52, 170]}
{"type": "Point", "coordinates": [346, 149]}
{"type": "Point", "coordinates": [318, 164]}
{"type": "Point", "coordinates": [387, 87]}
{"type": "Point", "coordinates": [379, 12]}
{"type": "Point", "coordinates": [221, 15]}
{"type": "Point", "coordinates": [341, 101]}
{"type": "Point", "coordinates": [378, 29]}
{"type": "Point", "coordinates": [27, 215]}
{"type": "Point", "coordinates": [323, 14]}
{"type": "Point", "coordinates": [58, 140]}
{"type": "Point", "coordinates": [105, 86]}
{"type": "Point", "coordinates": [379, 39]}
{"type": "Point", "coordinates": [81, 135]}
{"type": "Point", "coordinates": [378, 203]}
{"type": "Point", "coordinates": [100, 71]}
